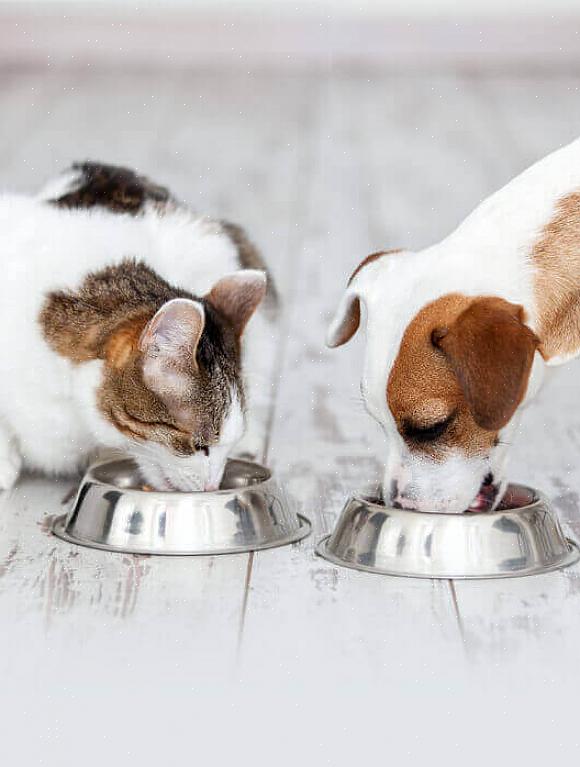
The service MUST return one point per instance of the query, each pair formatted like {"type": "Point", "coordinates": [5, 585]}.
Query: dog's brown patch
{"type": "Point", "coordinates": [556, 256]}
{"type": "Point", "coordinates": [468, 359]}
{"type": "Point", "coordinates": [430, 411]}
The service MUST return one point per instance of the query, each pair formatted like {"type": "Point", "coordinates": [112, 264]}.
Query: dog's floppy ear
{"type": "Point", "coordinates": [347, 318]}
{"type": "Point", "coordinates": [491, 352]}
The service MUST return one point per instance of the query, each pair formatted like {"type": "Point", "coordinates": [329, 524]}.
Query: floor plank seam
{"type": "Point", "coordinates": [457, 612]}
{"type": "Point", "coordinates": [247, 582]}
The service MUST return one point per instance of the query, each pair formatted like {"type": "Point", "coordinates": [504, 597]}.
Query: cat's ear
{"type": "Point", "coordinates": [169, 344]}
{"type": "Point", "coordinates": [237, 296]}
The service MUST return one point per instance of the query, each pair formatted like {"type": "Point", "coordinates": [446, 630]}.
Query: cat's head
{"type": "Point", "coordinates": [172, 383]}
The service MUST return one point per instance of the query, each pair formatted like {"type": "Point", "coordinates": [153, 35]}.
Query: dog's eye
{"type": "Point", "coordinates": [429, 433]}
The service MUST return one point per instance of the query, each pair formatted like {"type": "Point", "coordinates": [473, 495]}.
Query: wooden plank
{"type": "Point", "coordinates": [26, 105]}
{"type": "Point", "coordinates": [426, 170]}
{"type": "Point", "coordinates": [335, 622]}
{"type": "Point", "coordinates": [531, 116]}
{"type": "Point", "coordinates": [68, 593]}
{"type": "Point", "coordinates": [246, 165]}
{"type": "Point", "coordinates": [108, 117]}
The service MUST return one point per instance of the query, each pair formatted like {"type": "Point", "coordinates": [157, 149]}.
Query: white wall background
{"type": "Point", "coordinates": [283, 33]}
{"type": "Point", "coordinates": [415, 8]}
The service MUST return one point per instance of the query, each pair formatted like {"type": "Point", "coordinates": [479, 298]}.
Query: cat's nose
{"type": "Point", "coordinates": [209, 487]}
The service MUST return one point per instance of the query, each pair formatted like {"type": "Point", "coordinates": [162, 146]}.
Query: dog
{"type": "Point", "coordinates": [459, 336]}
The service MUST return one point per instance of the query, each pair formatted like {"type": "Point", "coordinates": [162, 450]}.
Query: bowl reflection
{"type": "Point", "coordinates": [522, 537]}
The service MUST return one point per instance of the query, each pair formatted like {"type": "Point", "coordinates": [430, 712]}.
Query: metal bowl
{"type": "Point", "coordinates": [112, 511]}
{"type": "Point", "coordinates": [523, 537]}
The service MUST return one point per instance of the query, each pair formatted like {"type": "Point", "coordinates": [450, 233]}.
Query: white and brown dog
{"type": "Point", "coordinates": [459, 334]}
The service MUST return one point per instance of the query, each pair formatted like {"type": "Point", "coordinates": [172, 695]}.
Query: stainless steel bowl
{"type": "Point", "coordinates": [112, 511]}
{"type": "Point", "coordinates": [523, 537]}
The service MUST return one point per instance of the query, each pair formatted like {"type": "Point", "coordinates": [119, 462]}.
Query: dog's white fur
{"type": "Point", "coordinates": [488, 254]}
{"type": "Point", "coordinates": [48, 415]}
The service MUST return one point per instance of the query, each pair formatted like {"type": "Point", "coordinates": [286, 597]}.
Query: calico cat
{"type": "Point", "coordinates": [128, 324]}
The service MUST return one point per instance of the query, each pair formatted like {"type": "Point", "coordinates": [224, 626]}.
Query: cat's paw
{"type": "Point", "coordinates": [10, 465]}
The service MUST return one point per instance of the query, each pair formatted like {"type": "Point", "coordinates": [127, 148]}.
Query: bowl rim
{"type": "Point", "coordinates": [539, 498]}
{"type": "Point", "coordinates": [89, 476]}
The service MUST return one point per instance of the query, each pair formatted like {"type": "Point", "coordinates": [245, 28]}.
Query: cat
{"type": "Point", "coordinates": [129, 323]}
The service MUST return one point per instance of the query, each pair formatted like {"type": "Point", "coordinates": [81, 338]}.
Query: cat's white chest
{"type": "Point", "coordinates": [53, 432]}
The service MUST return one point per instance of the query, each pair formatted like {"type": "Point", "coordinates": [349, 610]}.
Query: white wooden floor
{"type": "Point", "coordinates": [279, 657]}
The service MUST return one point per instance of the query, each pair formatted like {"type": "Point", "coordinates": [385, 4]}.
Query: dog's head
{"type": "Point", "coordinates": [444, 375]}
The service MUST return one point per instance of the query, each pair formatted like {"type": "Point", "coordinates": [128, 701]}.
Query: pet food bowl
{"type": "Point", "coordinates": [112, 511]}
{"type": "Point", "coordinates": [523, 537]}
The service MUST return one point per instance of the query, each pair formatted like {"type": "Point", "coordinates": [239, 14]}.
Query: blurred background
{"type": "Point", "coordinates": [286, 33]}
{"type": "Point", "coordinates": [234, 102]}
